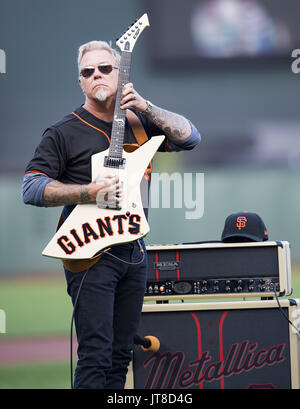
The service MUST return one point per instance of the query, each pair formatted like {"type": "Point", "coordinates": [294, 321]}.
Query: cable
{"type": "Point", "coordinates": [282, 312]}
{"type": "Point", "coordinates": [77, 296]}
{"type": "Point", "coordinates": [127, 262]}
{"type": "Point", "coordinates": [71, 334]}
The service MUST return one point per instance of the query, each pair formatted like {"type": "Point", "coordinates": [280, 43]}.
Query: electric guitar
{"type": "Point", "coordinates": [89, 229]}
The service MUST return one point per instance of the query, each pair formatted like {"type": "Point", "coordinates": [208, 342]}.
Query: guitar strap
{"type": "Point", "coordinates": [137, 127]}
{"type": "Point", "coordinates": [76, 266]}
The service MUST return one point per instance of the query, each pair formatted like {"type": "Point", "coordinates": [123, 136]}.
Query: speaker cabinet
{"type": "Point", "coordinates": [219, 345]}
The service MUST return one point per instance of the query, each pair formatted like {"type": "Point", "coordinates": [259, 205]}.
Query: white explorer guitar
{"type": "Point", "coordinates": [90, 229]}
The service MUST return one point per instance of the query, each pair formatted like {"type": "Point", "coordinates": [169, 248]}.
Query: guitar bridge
{"type": "Point", "coordinates": [117, 163]}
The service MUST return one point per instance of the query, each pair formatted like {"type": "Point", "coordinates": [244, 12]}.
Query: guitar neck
{"type": "Point", "coordinates": [118, 127]}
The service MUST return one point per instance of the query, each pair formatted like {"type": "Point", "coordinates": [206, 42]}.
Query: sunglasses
{"type": "Point", "coordinates": [104, 69]}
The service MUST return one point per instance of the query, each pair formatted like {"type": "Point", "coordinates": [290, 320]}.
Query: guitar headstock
{"type": "Point", "coordinates": [128, 39]}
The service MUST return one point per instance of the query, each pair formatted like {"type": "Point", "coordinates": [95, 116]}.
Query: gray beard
{"type": "Point", "coordinates": [101, 95]}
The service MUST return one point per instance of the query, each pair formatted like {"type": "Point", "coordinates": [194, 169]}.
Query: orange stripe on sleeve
{"type": "Point", "coordinates": [36, 172]}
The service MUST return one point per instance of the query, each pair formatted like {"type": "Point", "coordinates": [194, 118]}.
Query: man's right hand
{"type": "Point", "coordinates": [110, 192]}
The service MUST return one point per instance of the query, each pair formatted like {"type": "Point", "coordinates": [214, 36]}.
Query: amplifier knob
{"type": "Point", "coordinates": [251, 282]}
{"type": "Point", "coordinates": [239, 289]}
{"type": "Point", "coordinates": [251, 288]}
{"type": "Point", "coordinates": [227, 282]}
{"type": "Point", "coordinates": [182, 287]}
{"type": "Point", "coordinates": [216, 289]}
{"type": "Point", "coordinates": [204, 289]}
{"type": "Point", "coordinates": [216, 282]}
{"type": "Point", "coordinates": [204, 282]}
{"type": "Point", "coordinates": [227, 289]}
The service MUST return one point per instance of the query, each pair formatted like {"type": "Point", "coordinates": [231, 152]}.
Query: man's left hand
{"type": "Point", "coordinates": [131, 99]}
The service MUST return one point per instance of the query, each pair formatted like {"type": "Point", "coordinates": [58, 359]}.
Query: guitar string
{"type": "Point", "coordinates": [118, 127]}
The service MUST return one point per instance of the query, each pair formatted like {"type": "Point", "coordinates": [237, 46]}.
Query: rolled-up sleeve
{"type": "Point", "coordinates": [33, 187]}
{"type": "Point", "coordinates": [190, 143]}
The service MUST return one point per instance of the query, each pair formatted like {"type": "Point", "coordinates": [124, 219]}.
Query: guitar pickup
{"type": "Point", "coordinates": [117, 163]}
{"type": "Point", "coordinates": [111, 206]}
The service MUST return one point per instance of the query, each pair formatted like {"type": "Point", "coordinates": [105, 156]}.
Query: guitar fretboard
{"type": "Point", "coordinates": [118, 127]}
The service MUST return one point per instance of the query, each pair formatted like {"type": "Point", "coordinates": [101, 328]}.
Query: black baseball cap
{"type": "Point", "coordinates": [244, 226]}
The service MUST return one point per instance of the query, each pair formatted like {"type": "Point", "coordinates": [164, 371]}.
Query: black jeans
{"type": "Point", "coordinates": [107, 316]}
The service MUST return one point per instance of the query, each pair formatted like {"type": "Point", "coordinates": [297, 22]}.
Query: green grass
{"type": "Point", "coordinates": [39, 376]}
{"type": "Point", "coordinates": [295, 283]}
{"type": "Point", "coordinates": [35, 306]}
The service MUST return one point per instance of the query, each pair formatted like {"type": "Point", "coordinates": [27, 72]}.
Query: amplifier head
{"type": "Point", "coordinates": [253, 269]}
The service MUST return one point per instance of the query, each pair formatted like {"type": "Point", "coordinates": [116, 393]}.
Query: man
{"type": "Point", "coordinates": [110, 301]}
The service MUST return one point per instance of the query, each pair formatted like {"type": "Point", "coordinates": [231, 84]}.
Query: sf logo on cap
{"type": "Point", "coordinates": [241, 222]}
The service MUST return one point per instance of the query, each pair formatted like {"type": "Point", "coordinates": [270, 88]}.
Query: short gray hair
{"type": "Point", "coordinates": [98, 45]}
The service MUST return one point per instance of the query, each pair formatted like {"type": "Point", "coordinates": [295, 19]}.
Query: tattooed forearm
{"type": "Point", "coordinates": [61, 194]}
{"type": "Point", "coordinates": [176, 127]}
